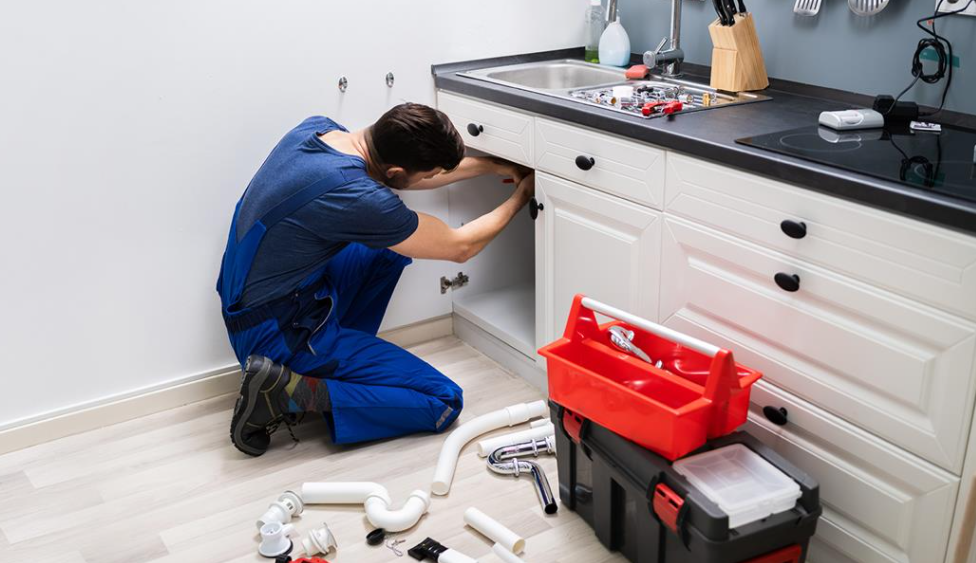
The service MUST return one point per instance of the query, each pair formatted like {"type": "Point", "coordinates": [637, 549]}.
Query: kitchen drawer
{"type": "Point", "coordinates": [881, 504]}
{"type": "Point", "coordinates": [501, 131]}
{"type": "Point", "coordinates": [921, 261]}
{"type": "Point", "coordinates": [902, 370]}
{"type": "Point", "coordinates": [630, 170]}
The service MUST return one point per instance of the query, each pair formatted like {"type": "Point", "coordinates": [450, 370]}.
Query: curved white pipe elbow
{"type": "Point", "coordinates": [379, 514]}
{"type": "Point", "coordinates": [375, 499]}
{"type": "Point", "coordinates": [541, 432]}
{"type": "Point", "coordinates": [506, 555]}
{"type": "Point", "coordinates": [494, 530]}
{"type": "Point", "coordinates": [509, 416]}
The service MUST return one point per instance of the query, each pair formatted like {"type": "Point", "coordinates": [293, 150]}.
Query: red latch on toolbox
{"type": "Point", "coordinates": [791, 554]}
{"type": "Point", "coordinates": [667, 506]}
{"type": "Point", "coordinates": [573, 424]}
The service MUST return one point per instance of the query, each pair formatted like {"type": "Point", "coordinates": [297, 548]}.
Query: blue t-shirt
{"type": "Point", "coordinates": [361, 210]}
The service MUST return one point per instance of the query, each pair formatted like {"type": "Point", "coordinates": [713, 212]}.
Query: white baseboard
{"type": "Point", "coordinates": [24, 433]}
{"type": "Point", "coordinates": [502, 353]}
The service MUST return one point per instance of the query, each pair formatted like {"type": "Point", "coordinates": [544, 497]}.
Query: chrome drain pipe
{"type": "Point", "coordinates": [506, 461]}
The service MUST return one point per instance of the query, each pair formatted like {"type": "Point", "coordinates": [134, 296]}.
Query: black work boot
{"type": "Point", "coordinates": [258, 411]}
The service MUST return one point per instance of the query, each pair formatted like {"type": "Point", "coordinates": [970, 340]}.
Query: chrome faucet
{"type": "Point", "coordinates": [672, 57]}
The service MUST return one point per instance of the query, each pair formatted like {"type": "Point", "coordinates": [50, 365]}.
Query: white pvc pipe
{"type": "Point", "coordinates": [506, 555]}
{"type": "Point", "coordinates": [485, 447]}
{"type": "Point", "coordinates": [374, 498]}
{"type": "Point", "coordinates": [509, 416]}
{"type": "Point", "coordinates": [654, 328]}
{"type": "Point", "coordinates": [494, 530]}
{"type": "Point", "coordinates": [454, 556]}
{"type": "Point", "coordinates": [539, 422]}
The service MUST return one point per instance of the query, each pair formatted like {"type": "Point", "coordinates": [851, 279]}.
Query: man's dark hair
{"type": "Point", "coordinates": [416, 138]}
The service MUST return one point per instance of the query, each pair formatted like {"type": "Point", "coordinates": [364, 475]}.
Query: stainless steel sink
{"type": "Point", "coordinates": [558, 75]}
{"type": "Point", "coordinates": [607, 87]}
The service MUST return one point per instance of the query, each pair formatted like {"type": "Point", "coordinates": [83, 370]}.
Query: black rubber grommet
{"type": "Point", "coordinates": [376, 537]}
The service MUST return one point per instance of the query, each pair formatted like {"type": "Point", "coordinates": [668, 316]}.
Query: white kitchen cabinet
{"type": "Point", "coordinates": [872, 350]}
{"type": "Point", "coordinates": [895, 367]}
{"type": "Point", "coordinates": [881, 504]}
{"type": "Point", "coordinates": [592, 243]}
{"type": "Point", "coordinates": [500, 292]}
{"type": "Point", "coordinates": [923, 262]}
{"type": "Point", "coordinates": [631, 170]}
{"type": "Point", "coordinates": [494, 129]}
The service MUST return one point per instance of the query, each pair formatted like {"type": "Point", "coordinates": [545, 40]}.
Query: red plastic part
{"type": "Point", "coordinates": [651, 107]}
{"type": "Point", "coordinates": [573, 425]}
{"type": "Point", "coordinates": [671, 411]}
{"type": "Point", "coordinates": [310, 560]}
{"type": "Point", "coordinates": [672, 107]}
{"type": "Point", "coordinates": [637, 72]}
{"type": "Point", "coordinates": [790, 554]}
{"type": "Point", "coordinates": [667, 505]}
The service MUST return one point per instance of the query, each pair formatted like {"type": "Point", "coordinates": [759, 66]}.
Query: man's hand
{"type": "Point", "coordinates": [527, 187]}
{"type": "Point", "coordinates": [508, 169]}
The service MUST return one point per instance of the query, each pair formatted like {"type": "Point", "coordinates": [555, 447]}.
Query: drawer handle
{"type": "Point", "coordinates": [534, 208]}
{"type": "Point", "coordinates": [474, 130]}
{"type": "Point", "coordinates": [794, 229]}
{"type": "Point", "coordinates": [777, 416]}
{"type": "Point", "coordinates": [585, 162]}
{"type": "Point", "coordinates": [788, 282]}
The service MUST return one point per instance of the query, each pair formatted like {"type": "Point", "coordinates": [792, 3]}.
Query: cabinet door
{"type": "Point", "coordinates": [592, 243]}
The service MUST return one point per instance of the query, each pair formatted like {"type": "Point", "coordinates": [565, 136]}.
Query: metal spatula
{"type": "Point", "coordinates": [806, 7]}
{"type": "Point", "coordinates": [867, 7]}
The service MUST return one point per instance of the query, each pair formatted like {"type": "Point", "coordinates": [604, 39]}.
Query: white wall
{"type": "Point", "coordinates": [129, 129]}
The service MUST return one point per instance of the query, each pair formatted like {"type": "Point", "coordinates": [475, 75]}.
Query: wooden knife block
{"type": "Point", "coordinates": [737, 60]}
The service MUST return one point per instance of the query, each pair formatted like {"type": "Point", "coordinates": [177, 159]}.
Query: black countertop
{"type": "Point", "coordinates": [711, 135]}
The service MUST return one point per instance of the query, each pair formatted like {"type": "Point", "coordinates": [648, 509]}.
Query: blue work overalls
{"type": "Point", "coordinates": [327, 329]}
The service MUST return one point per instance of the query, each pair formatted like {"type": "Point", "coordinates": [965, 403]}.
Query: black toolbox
{"type": "Point", "coordinates": [638, 505]}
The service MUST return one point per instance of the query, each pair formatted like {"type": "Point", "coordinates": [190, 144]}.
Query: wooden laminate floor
{"type": "Point", "coordinates": [170, 487]}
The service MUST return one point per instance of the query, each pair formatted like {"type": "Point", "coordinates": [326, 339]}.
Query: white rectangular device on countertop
{"type": "Point", "coordinates": [852, 119]}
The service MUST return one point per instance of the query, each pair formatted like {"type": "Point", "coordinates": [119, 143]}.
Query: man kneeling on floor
{"type": "Point", "coordinates": [317, 244]}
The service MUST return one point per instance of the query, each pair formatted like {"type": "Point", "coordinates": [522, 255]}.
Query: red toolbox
{"type": "Point", "coordinates": [698, 392]}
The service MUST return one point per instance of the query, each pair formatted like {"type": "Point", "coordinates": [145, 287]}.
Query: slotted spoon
{"type": "Point", "coordinates": [806, 7]}
{"type": "Point", "coordinates": [867, 7]}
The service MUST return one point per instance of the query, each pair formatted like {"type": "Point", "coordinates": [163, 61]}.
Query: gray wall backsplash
{"type": "Point", "coordinates": [836, 49]}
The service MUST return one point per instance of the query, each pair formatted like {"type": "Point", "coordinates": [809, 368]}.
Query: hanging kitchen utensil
{"type": "Point", "coordinates": [867, 7]}
{"type": "Point", "coordinates": [806, 7]}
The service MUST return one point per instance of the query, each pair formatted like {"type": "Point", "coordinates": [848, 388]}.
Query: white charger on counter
{"type": "Point", "coordinates": [852, 119]}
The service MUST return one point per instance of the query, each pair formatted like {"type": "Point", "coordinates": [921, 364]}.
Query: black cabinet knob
{"type": "Point", "coordinates": [777, 416]}
{"type": "Point", "coordinates": [585, 162]}
{"type": "Point", "coordinates": [788, 282]}
{"type": "Point", "coordinates": [474, 130]}
{"type": "Point", "coordinates": [794, 229]}
{"type": "Point", "coordinates": [534, 208]}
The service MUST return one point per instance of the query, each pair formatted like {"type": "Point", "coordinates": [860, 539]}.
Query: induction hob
{"type": "Point", "coordinates": [937, 162]}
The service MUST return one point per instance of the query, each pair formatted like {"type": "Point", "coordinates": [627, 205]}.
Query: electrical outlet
{"type": "Point", "coordinates": [953, 5]}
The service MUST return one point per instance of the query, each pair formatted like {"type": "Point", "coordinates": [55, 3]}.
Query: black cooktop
{"type": "Point", "coordinates": [938, 162]}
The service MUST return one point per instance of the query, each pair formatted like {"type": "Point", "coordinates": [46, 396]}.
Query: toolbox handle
{"type": "Point", "coordinates": [679, 337]}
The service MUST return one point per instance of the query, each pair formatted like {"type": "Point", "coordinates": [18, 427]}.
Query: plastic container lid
{"type": "Point", "coordinates": [743, 484]}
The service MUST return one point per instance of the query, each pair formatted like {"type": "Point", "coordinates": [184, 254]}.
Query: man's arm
{"type": "Point", "coordinates": [434, 240]}
{"type": "Point", "coordinates": [471, 167]}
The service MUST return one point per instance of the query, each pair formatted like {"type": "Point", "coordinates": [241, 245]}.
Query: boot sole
{"type": "Point", "coordinates": [250, 387]}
